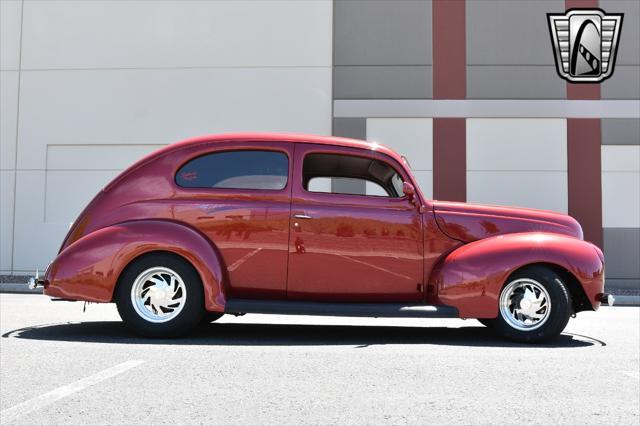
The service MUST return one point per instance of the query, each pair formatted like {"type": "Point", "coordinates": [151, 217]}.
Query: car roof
{"type": "Point", "coordinates": [282, 137]}
{"type": "Point", "coordinates": [256, 137]}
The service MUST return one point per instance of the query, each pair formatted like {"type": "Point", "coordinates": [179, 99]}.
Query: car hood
{"type": "Point", "coordinates": [471, 222]}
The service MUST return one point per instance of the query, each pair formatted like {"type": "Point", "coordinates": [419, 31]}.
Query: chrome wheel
{"type": "Point", "coordinates": [525, 304]}
{"type": "Point", "coordinates": [158, 294]}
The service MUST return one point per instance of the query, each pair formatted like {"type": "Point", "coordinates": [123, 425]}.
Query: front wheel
{"type": "Point", "coordinates": [534, 306]}
{"type": "Point", "coordinates": [160, 295]}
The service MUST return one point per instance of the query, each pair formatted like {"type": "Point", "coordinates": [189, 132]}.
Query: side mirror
{"type": "Point", "coordinates": [408, 190]}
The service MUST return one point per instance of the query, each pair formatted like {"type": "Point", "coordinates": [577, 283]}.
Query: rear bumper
{"type": "Point", "coordinates": [37, 281]}
{"type": "Point", "coordinates": [607, 299]}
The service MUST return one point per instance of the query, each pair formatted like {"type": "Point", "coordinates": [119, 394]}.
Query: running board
{"type": "Point", "coordinates": [383, 310]}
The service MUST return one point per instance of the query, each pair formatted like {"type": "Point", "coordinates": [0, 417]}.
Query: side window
{"type": "Point", "coordinates": [236, 170]}
{"type": "Point", "coordinates": [349, 174]}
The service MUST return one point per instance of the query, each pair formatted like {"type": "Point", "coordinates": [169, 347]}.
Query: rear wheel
{"type": "Point", "coordinates": [534, 306]}
{"type": "Point", "coordinates": [160, 295]}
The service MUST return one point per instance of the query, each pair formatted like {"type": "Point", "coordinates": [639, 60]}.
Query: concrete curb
{"type": "Point", "coordinates": [23, 288]}
{"type": "Point", "coordinates": [20, 288]}
{"type": "Point", "coordinates": [627, 300]}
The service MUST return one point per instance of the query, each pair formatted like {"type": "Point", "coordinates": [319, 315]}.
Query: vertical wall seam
{"type": "Point", "coordinates": [333, 66]}
{"type": "Point", "coordinates": [15, 158]}
{"type": "Point", "coordinates": [46, 175]}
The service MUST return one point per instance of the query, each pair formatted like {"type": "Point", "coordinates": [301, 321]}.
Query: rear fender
{"type": "Point", "coordinates": [89, 268]}
{"type": "Point", "coordinates": [471, 277]}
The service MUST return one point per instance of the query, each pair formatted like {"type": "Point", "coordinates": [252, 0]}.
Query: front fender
{"type": "Point", "coordinates": [89, 268]}
{"type": "Point", "coordinates": [471, 277]}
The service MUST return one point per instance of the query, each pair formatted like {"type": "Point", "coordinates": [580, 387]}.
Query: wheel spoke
{"type": "Point", "coordinates": [174, 301]}
{"type": "Point", "coordinates": [157, 281]}
{"type": "Point", "coordinates": [172, 283]}
{"type": "Point", "coordinates": [537, 315]}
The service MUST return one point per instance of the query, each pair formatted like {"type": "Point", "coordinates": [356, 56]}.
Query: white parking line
{"type": "Point", "coordinates": [48, 398]}
{"type": "Point", "coordinates": [632, 374]}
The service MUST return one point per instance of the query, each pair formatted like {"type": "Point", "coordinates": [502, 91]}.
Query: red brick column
{"type": "Point", "coordinates": [449, 82]}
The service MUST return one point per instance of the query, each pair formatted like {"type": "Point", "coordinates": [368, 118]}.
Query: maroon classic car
{"type": "Point", "coordinates": [296, 224]}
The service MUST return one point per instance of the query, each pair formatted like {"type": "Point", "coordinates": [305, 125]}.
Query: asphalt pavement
{"type": "Point", "coordinates": [59, 365]}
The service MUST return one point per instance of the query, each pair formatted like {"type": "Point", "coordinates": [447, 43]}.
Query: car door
{"type": "Point", "coordinates": [239, 195]}
{"type": "Point", "coordinates": [347, 243]}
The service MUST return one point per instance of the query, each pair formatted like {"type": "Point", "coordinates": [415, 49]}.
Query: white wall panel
{"type": "Point", "coordinates": [162, 106]}
{"type": "Point", "coordinates": [539, 190]}
{"type": "Point", "coordinates": [6, 219]}
{"type": "Point", "coordinates": [516, 144]}
{"type": "Point", "coordinates": [372, 188]}
{"type": "Point", "coordinates": [411, 137]}
{"type": "Point", "coordinates": [518, 162]}
{"type": "Point", "coordinates": [620, 158]}
{"type": "Point", "coordinates": [76, 188]}
{"type": "Point", "coordinates": [8, 117]}
{"type": "Point", "coordinates": [621, 186]}
{"type": "Point", "coordinates": [320, 184]}
{"type": "Point", "coordinates": [97, 157]}
{"type": "Point", "coordinates": [10, 11]}
{"type": "Point", "coordinates": [425, 182]}
{"type": "Point", "coordinates": [30, 227]}
{"type": "Point", "coordinates": [160, 33]}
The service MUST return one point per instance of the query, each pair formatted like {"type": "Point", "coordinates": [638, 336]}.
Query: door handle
{"type": "Point", "coordinates": [301, 216]}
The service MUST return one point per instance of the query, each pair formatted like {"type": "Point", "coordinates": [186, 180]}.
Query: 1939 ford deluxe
{"type": "Point", "coordinates": [295, 224]}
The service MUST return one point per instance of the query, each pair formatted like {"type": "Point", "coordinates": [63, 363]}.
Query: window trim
{"type": "Point", "coordinates": [234, 190]}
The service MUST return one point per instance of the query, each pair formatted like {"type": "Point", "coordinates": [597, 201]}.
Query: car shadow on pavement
{"type": "Point", "coordinates": [246, 334]}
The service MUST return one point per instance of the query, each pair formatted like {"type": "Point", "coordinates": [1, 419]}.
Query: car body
{"type": "Point", "coordinates": [301, 224]}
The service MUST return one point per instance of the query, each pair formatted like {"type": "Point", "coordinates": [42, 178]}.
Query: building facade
{"type": "Point", "coordinates": [467, 90]}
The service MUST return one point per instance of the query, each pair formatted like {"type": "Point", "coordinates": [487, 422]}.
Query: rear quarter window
{"type": "Point", "coordinates": [246, 169]}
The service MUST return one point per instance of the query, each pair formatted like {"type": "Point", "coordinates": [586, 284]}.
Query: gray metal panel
{"type": "Point", "coordinates": [348, 186]}
{"type": "Point", "coordinates": [614, 284]}
{"type": "Point", "coordinates": [628, 51]}
{"type": "Point", "coordinates": [623, 84]}
{"type": "Point", "coordinates": [621, 131]}
{"type": "Point", "coordinates": [382, 32]}
{"type": "Point", "coordinates": [622, 251]}
{"type": "Point", "coordinates": [486, 108]}
{"type": "Point", "coordinates": [510, 32]}
{"type": "Point", "coordinates": [355, 128]}
{"type": "Point", "coordinates": [399, 82]}
{"type": "Point", "coordinates": [514, 82]}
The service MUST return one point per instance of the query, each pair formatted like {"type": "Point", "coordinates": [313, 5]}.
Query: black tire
{"type": "Point", "coordinates": [209, 317]}
{"type": "Point", "coordinates": [487, 322]}
{"type": "Point", "coordinates": [187, 319]}
{"type": "Point", "coordinates": [557, 318]}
